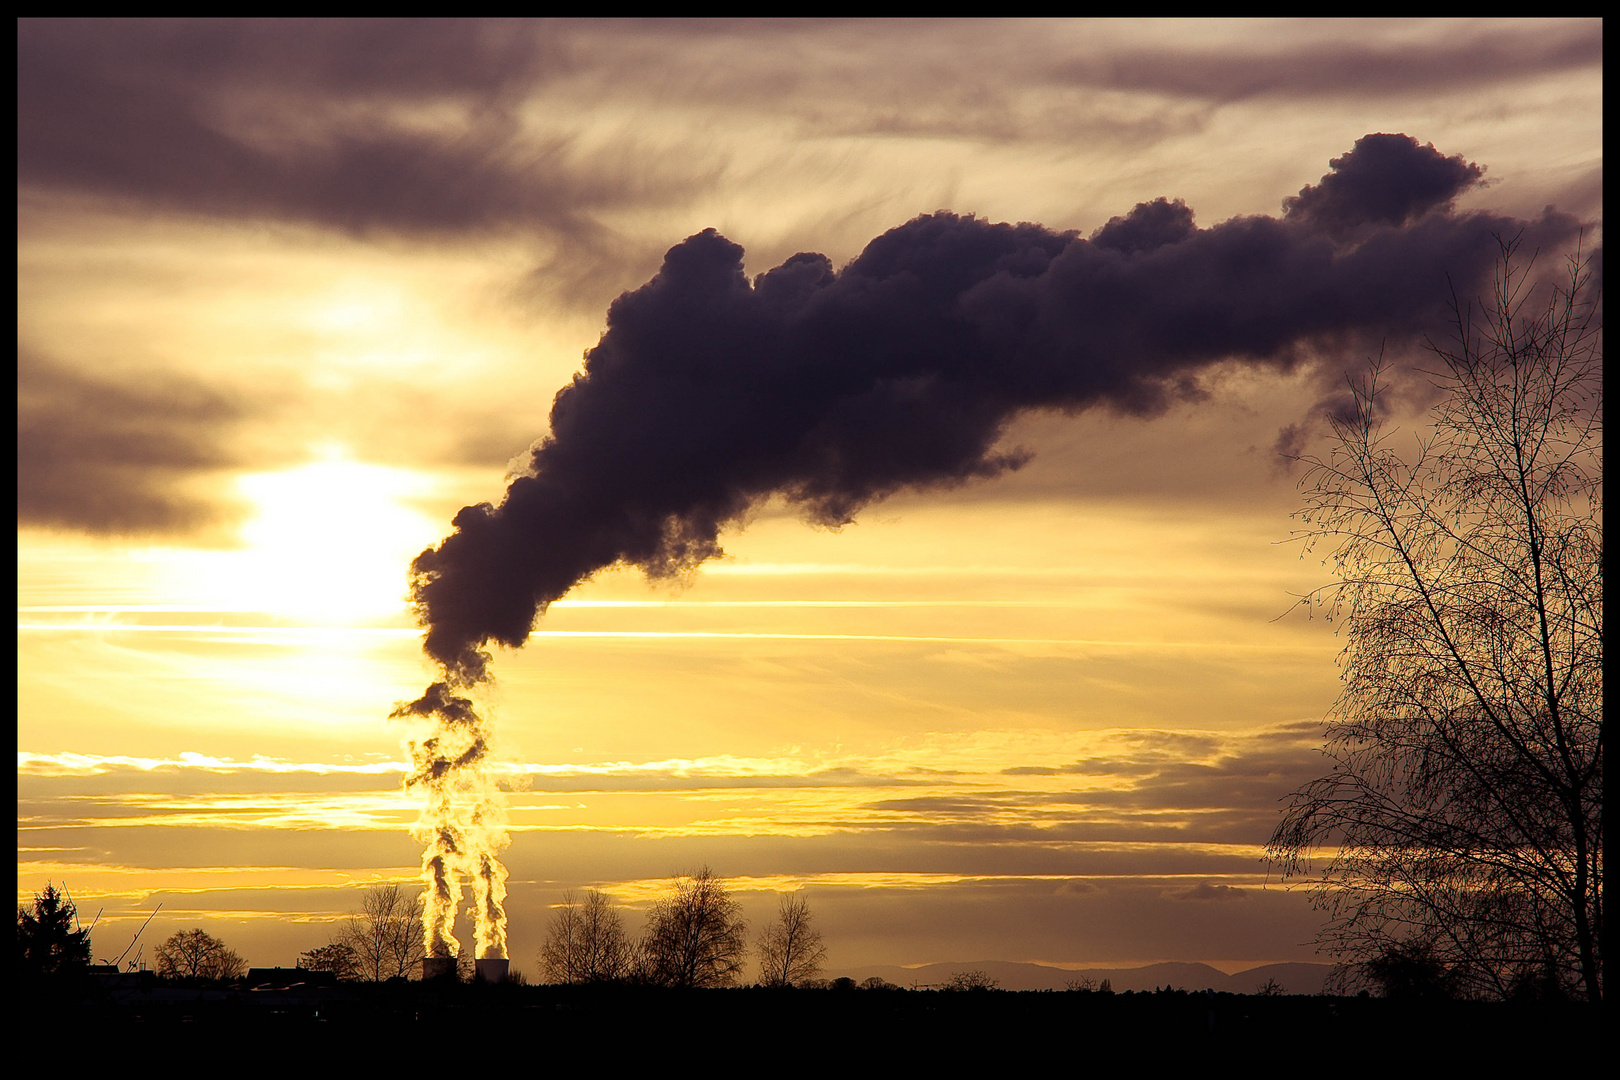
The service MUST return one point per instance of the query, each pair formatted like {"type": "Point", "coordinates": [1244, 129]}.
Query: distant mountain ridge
{"type": "Point", "coordinates": [1294, 978]}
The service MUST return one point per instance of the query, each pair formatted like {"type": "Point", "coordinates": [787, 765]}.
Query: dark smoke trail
{"type": "Point", "coordinates": [709, 393]}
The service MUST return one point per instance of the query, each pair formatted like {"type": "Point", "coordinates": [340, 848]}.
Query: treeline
{"type": "Point", "coordinates": [694, 937]}
{"type": "Point", "coordinates": [53, 947]}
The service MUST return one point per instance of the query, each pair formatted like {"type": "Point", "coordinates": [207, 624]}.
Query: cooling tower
{"type": "Point", "coordinates": [492, 970]}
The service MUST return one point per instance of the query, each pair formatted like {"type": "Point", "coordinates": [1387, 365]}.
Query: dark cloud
{"type": "Point", "coordinates": [943, 807]}
{"type": "Point", "coordinates": [709, 393]}
{"type": "Point", "coordinates": [1385, 180]}
{"type": "Point", "coordinates": [428, 126]}
{"type": "Point", "coordinates": [1246, 775]}
{"type": "Point", "coordinates": [1150, 226]}
{"type": "Point", "coordinates": [1290, 444]}
{"type": "Point", "coordinates": [1165, 786]}
{"type": "Point", "coordinates": [411, 59]}
{"type": "Point", "coordinates": [114, 456]}
{"type": "Point", "coordinates": [1205, 891]}
{"type": "Point", "coordinates": [324, 122]}
{"type": "Point", "coordinates": [1371, 66]}
{"type": "Point", "coordinates": [948, 80]}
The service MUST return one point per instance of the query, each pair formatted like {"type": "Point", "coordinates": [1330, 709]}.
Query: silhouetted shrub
{"type": "Point", "coordinates": [48, 946]}
{"type": "Point", "coordinates": [971, 980]}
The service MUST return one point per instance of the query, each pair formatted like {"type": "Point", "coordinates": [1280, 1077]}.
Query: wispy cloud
{"type": "Point", "coordinates": [75, 764]}
{"type": "Point", "coordinates": [103, 454]}
{"type": "Point", "coordinates": [294, 634]}
{"type": "Point", "coordinates": [1211, 792]}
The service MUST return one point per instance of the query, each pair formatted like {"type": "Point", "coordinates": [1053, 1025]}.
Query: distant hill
{"type": "Point", "coordinates": [1293, 978]}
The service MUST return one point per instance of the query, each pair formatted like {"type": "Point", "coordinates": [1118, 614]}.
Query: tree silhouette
{"type": "Point", "coordinates": [1410, 973]}
{"type": "Point", "coordinates": [696, 937]}
{"type": "Point", "coordinates": [1464, 801]}
{"type": "Point", "coordinates": [971, 980]}
{"type": "Point", "coordinates": [336, 957]}
{"type": "Point", "coordinates": [385, 935]}
{"type": "Point", "coordinates": [790, 949]}
{"type": "Point", "coordinates": [195, 954]}
{"type": "Point", "coordinates": [48, 944]}
{"type": "Point", "coordinates": [585, 941]}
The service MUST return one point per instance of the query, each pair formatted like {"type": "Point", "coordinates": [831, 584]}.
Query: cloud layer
{"type": "Point", "coordinates": [106, 455]}
{"type": "Point", "coordinates": [1143, 848]}
{"type": "Point", "coordinates": [587, 146]}
{"type": "Point", "coordinates": [421, 126]}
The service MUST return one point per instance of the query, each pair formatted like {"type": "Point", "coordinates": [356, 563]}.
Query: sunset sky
{"type": "Point", "coordinates": [290, 294]}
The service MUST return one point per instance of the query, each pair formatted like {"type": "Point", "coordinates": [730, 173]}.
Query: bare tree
{"type": "Point", "coordinates": [195, 954]}
{"type": "Point", "coordinates": [696, 937]}
{"type": "Point", "coordinates": [385, 935]}
{"type": "Point", "coordinates": [560, 955]}
{"type": "Point", "coordinates": [971, 980]}
{"type": "Point", "coordinates": [790, 949]}
{"type": "Point", "coordinates": [1409, 972]}
{"type": "Point", "coordinates": [1463, 805]}
{"type": "Point", "coordinates": [336, 957]}
{"type": "Point", "coordinates": [585, 942]}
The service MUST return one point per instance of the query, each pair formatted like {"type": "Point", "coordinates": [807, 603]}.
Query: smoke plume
{"type": "Point", "coordinates": [463, 822]}
{"type": "Point", "coordinates": [709, 393]}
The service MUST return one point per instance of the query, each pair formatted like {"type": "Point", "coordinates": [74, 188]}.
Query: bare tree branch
{"type": "Point", "coordinates": [696, 937]}
{"type": "Point", "coordinates": [1463, 808]}
{"type": "Point", "coordinates": [385, 935]}
{"type": "Point", "coordinates": [790, 949]}
{"type": "Point", "coordinates": [586, 942]}
{"type": "Point", "coordinates": [195, 954]}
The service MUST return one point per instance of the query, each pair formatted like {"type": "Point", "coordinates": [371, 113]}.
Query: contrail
{"type": "Point", "coordinates": [710, 392]}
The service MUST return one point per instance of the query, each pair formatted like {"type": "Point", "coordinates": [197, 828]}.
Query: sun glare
{"type": "Point", "coordinates": [331, 541]}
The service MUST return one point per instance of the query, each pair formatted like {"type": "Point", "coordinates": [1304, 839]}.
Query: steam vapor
{"type": "Point", "coordinates": [708, 393]}
{"type": "Point", "coordinates": [463, 823]}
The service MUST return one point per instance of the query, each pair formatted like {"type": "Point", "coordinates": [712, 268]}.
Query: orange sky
{"type": "Point", "coordinates": [289, 295]}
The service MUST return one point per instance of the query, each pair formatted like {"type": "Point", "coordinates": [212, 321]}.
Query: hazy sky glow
{"type": "Point", "coordinates": [291, 293]}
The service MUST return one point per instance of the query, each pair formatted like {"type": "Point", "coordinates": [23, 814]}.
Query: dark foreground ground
{"type": "Point", "coordinates": [749, 1027]}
